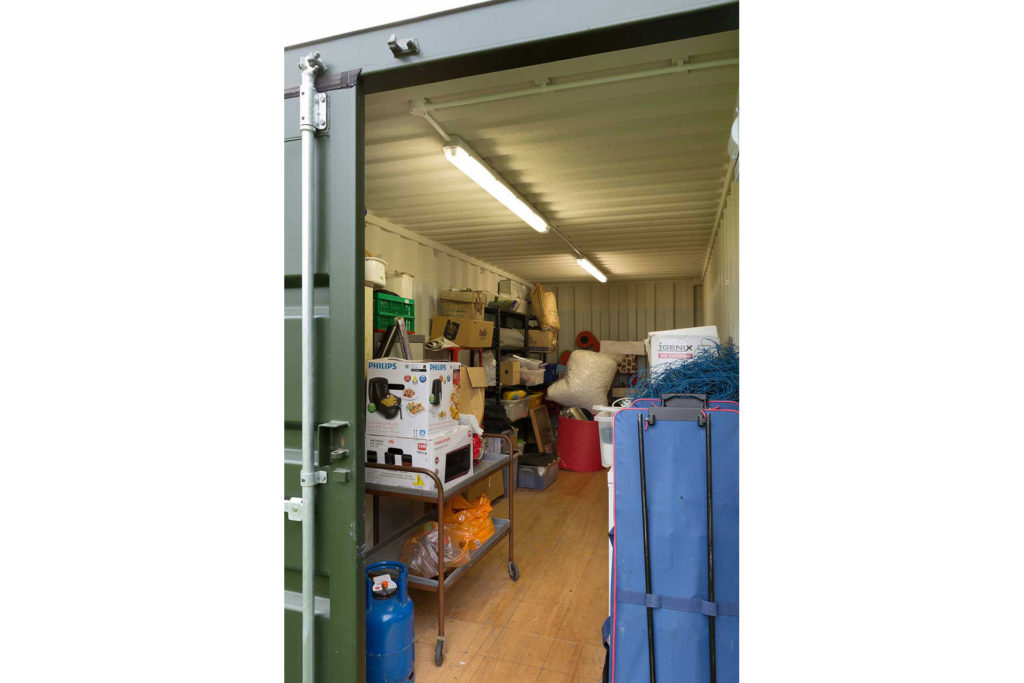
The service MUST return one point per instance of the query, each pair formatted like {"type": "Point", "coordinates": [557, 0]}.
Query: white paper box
{"type": "Point", "coordinates": [413, 399]}
{"type": "Point", "coordinates": [449, 455]}
{"type": "Point", "coordinates": [672, 345]}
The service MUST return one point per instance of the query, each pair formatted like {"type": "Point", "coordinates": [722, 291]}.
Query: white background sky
{"type": "Point", "coordinates": [332, 18]}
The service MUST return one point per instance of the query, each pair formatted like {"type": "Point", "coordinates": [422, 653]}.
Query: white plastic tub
{"type": "Point", "coordinates": [376, 271]}
{"type": "Point", "coordinates": [401, 284]}
{"type": "Point", "coordinates": [531, 377]}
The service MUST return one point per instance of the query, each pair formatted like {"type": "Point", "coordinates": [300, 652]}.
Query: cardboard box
{"type": "Point", "coordinates": [672, 345]}
{"type": "Point", "coordinates": [468, 304]}
{"type": "Point", "coordinates": [449, 454]}
{"type": "Point", "coordinates": [547, 339]}
{"type": "Point", "coordinates": [472, 388]}
{"type": "Point", "coordinates": [410, 399]}
{"type": "Point", "coordinates": [510, 372]}
{"type": "Point", "coordinates": [464, 332]}
{"type": "Point", "coordinates": [492, 486]}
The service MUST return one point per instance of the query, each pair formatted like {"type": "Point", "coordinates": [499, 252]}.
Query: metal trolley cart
{"type": "Point", "coordinates": [391, 548]}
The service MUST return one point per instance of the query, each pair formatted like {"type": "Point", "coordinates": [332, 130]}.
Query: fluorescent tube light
{"type": "Point", "coordinates": [592, 269]}
{"type": "Point", "coordinates": [463, 159]}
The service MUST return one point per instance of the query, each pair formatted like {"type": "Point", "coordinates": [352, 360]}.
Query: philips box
{"type": "Point", "coordinates": [414, 399]}
{"type": "Point", "coordinates": [449, 455]}
{"type": "Point", "coordinates": [672, 345]}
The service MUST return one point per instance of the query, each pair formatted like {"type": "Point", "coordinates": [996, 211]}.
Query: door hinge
{"type": "Point", "coordinates": [312, 108]}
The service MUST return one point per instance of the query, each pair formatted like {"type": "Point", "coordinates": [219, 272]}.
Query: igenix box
{"type": "Point", "coordinates": [415, 399]}
{"type": "Point", "coordinates": [449, 455]}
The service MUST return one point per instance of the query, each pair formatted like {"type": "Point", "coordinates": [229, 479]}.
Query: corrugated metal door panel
{"type": "Point", "coordinates": [340, 242]}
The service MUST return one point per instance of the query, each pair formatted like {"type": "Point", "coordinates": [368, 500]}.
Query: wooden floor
{"type": "Point", "coordinates": [546, 627]}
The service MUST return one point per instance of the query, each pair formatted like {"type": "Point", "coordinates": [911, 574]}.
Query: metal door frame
{"type": "Point", "coordinates": [489, 37]}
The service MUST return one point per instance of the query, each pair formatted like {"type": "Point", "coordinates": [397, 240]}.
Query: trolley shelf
{"type": "Point", "coordinates": [391, 548]}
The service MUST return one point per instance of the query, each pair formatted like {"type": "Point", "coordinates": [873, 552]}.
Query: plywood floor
{"type": "Point", "coordinates": [546, 627]}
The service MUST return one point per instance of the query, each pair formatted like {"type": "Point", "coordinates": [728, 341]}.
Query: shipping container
{"type": "Point", "coordinates": [612, 122]}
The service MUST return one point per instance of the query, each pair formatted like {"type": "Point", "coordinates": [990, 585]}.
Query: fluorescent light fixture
{"type": "Point", "coordinates": [592, 269]}
{"type": "Point", "coordinates": [463, 158]}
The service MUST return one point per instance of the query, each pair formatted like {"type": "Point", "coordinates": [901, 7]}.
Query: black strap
{"type": "Point", "coordinates": [335, 81]}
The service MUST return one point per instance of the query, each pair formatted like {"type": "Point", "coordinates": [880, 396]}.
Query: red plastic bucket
{"type": "Point", "coordinates": [579, 445]}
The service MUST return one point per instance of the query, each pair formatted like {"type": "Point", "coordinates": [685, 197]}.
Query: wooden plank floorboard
{"type": "Point", "coordinates": [546, 627]}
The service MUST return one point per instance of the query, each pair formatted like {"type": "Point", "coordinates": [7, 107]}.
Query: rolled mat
{"type": "Point", "coordinates": [586, 340]}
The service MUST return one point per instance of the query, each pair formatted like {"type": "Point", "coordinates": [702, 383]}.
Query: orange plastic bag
{"type": "Point", "coordinates": [419, 553]}
{"type": "Point", "coordinates": [470, 523]}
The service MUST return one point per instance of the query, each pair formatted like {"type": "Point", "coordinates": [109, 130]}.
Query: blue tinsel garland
{"type": "Point", "coordinates": [714, 371]}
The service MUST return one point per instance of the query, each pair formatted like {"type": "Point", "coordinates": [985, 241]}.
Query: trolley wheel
{"type": "Point", "coordinates": [439, 653]}
{"type": "Point", "coordinates": [513, 571]}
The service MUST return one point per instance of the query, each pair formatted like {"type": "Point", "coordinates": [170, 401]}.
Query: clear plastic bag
{"type": "Point", "coordinates": [419, 553]}
{"type": "Point", "coordinates": [470, 524]}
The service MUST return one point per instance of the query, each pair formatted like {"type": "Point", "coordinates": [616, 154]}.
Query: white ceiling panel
{"type": "Point", "coordinates": [631, 172]}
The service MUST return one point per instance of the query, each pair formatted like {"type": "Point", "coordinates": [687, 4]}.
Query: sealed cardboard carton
{"type": "Point", "coordinates": [414, 399]}
{"type": "Point", "coordinates": [449, 454]}
{"type": "Point", "coordinates": [465, 304]}
{"type": "Point", "coordinates": [546, 339]}
{"type": "Point", "coordinates": [464, 332]}
{"type": "Point", "coordinates": [673, 345]}
{"type": "Point", "coordinates": [510, 372]}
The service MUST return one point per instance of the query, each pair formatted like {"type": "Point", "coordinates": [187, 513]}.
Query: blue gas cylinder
{"type": "Point", "coordinates": [389, 624]}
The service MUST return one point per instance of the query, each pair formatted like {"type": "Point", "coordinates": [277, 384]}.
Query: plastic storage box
{"type": "Point", "coordinates": [387, 307]}
{"type": "Point", "coordinates": [538, 476]}
{"type": "Point", "coordinates": [517, 409]}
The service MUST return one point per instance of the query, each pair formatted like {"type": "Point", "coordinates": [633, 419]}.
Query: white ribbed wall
{"type": "Point", "coordinates": [622, 311]}
{"type": "Point", "coordinates": [721, 286]}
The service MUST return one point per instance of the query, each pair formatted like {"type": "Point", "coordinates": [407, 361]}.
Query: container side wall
{"type": "Point", "coordinates": [721, 285]}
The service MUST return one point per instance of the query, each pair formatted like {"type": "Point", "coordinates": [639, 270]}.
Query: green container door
{"type": "Point", "coordinates": [338, 304]}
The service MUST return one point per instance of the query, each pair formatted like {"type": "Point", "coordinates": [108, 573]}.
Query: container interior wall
{"type": "Point", "coordinates": [622, 311]}
{"type": "Point", "coordinates": [434, 269]}
{"type": "Point", "coordinates": [721, 285]}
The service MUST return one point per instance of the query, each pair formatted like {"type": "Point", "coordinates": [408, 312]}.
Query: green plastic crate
{"type": "Point", "coordinates": [386, 307]}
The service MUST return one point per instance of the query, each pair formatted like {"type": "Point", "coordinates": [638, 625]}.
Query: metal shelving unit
{"type": "Point", "coordinates": [391, 548]}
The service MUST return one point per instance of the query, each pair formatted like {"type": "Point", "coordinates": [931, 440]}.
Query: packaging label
{"type": "Point", "coordinates": [451, 330]}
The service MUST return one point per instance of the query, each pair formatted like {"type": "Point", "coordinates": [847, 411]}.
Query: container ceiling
{"type": "Point", "coordinates": [631, 172]}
